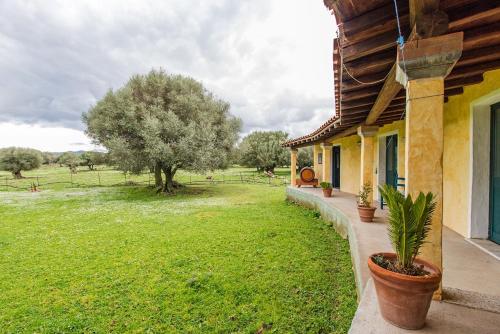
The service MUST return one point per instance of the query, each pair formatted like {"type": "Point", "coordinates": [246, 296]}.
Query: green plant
{"type": "Point", "coordinates": [326, 185]}
{"type": "Point", "coordinates": [363, 195]}
{"type": "Point", "coordinates": [409, 224]}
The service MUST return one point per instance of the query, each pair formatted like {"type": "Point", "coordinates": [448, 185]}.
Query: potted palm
{"type": "Point", "coordinates": [365, 210]}
{"type": "Point", "coordinates": [404, 283]}
{"type": "Point", "coordinates": [327, 189]}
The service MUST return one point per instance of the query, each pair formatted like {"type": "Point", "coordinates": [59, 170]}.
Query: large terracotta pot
{"type": "Point", "coordinates": [366, 214]}
{"type": "Point", "coordinates": [403, 299]}
{"type": "Point", "coordinates": [327, 192]}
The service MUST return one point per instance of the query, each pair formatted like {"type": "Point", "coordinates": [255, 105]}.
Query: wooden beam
{"type": "Point", "coordinates": [358, 102]}
{"type": "Point", "coordinates": [364, 92]}
{"type": "Point", "coordinates": [368, 47]}
{"type": "Point", "coordinates": [347, 132]}
{"type": "Point", "coordinates": [369, 80]}
{"type": "Point", "coordinates": [389, 90]}
{"type": "Point", "coordinates": [454, 91]}
{"type": "Point", "coordinates": [421, 7]}
{"type": "Point", "coordinates": [483, 36]}
{"type": "Point", "coordinates": [452, 4]}
{"type": "Point", "coordinates": [480, 18]}
{"type": "Point", "coordinates": [460, 82]}
{"type": "Point", "coordinates": [380, 62]}
{"type": "Point", "coordinates": [373, 17]}
{"type": "Point", "coordinates": [481, 55]}
{"type": "Point", "coordinates": [466, 71]}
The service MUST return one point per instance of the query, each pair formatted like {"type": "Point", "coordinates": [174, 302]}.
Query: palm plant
{"type": "Point", "coordinates": [409, 223]}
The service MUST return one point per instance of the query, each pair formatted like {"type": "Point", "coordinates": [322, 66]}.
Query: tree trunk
{"type": "Point", "coordinates": [17, 174]}
{"type": "Point", "coordinates": [158, 178]}
{"type": "Point", "coordinates": [169, 180]}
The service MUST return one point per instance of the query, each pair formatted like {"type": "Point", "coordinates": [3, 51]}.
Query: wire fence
{"type": "Point", "coordinates": [114, 178]}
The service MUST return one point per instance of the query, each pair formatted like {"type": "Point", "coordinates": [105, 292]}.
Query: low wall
{"type": "Point", "coordinates": [341, 224]}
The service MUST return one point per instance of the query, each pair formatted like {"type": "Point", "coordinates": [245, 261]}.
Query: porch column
{"type": "Point", "coordinates": [317, 167]}
{"type": "Point", "coordinates": [367, 134]}
{"type": "Point", "coordinates": [426, 63]}
{"type": "Point", "coordinates": [326, 173]}
{"type": "Point", "coordinates": [293, 166]}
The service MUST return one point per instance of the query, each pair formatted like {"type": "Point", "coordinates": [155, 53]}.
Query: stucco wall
{"type": "Point", "coordinates": [350, 161]}
{"type": "Point", "coordinates": [389, 129]}
{"type": "Point", "coordinates": [456, 157]}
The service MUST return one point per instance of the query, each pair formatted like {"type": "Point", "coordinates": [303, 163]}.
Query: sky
{"type": "Point", "coordinates": [270, 59]}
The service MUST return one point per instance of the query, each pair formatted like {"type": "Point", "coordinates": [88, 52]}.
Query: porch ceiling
{"type": "Point", "coordinates": [365, 53]}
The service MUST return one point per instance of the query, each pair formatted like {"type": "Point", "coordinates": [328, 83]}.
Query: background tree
{"type": "Point", "coordinates": [71, 160]}
{"type": "Point", "coordinates": [163, 122]}
{"type": "Point", "coordinates": [49, 158]}
{"type": "Point", "coordinates": [305, 157]}
{"type": "Point", "coordinates": [17, 159]}
{"type": "Point", "coordinates": [91, 159]}
{"type": "Point", "coordinates": [263, 150]}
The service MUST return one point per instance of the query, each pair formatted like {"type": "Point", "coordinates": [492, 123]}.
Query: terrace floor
{"type": "Point", "coordinates": [471, 285]}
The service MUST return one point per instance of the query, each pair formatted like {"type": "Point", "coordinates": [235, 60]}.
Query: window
{"type": "Point", "coordinates": [320, 158]}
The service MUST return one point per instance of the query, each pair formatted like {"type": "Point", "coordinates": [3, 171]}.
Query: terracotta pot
{"type": "Point", "coordinates": [327, 192]}
{"type": "Point", "coordinates": [403, 299]}
{"type": "Point", "coordinates": [366, 214]}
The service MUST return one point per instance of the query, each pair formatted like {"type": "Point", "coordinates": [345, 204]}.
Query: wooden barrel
{"type": "Point", "coordinates": [307, 174]}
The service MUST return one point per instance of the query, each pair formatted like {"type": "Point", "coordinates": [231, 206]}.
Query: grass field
{"type": "Point", "coordinates": [56, 177]}
{"type": "Point", "coordinates": [210, 259]}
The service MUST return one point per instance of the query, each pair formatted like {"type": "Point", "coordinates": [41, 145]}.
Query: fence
{"type": "Point", "coordinates": [114, 178]}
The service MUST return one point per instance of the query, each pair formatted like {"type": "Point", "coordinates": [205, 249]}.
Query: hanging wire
{"type": "Point", "coordinates": [364, 82]}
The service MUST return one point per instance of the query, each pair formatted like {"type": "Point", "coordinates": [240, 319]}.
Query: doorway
{"type": "Point", "coordinates": [494, 226]}
{"type": "Point", "coordinates": [336, 167]}
{"type": "Point", "coordinates": [391, 160]}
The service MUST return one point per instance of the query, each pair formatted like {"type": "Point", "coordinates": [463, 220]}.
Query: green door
{"type": "Point", "coordinates": [495, 174]}
{"type": "Point", "coordinates": [336, 167]}
{"type": "Point", "coordinates": [391, 160]}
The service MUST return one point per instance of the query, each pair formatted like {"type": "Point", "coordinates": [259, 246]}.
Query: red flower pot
{"type": "Point", "coordinates": [404, 300]}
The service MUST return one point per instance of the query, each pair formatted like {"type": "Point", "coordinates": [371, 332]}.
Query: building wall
{"type": "Point", "coordinates": [389, 129]}
{"type": "Point", "coordinates": [457, 154]}
{"type": "Point", "coordinates": [317, 167]}
{"type": "Point", "coordinates": [350, 162]}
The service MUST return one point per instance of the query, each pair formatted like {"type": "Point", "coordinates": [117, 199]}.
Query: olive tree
{"type": "Point", "coordinates": [163, 122]}
{"type": "Point", "coordinates": [91, 159]}
{"type": "Point", "coordinates": [17, 159]}
{"type": "Point", "coordinates": [71, 160]}
{"type": "Point", "coordinates": [305, 157]}
{"type": "Point", "coordinates": [263, 150]}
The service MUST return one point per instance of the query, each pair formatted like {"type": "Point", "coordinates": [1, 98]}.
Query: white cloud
{"type": "Point", "coordinates": [54, 139]}
{"type": "Point", "coordinates": [270, 59]}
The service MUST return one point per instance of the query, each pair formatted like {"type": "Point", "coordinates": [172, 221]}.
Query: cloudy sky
{"type": "Point", "coordinates": [271, 59]}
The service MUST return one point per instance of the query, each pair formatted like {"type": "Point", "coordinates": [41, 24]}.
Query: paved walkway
{"type": "Point", "coordinates": [471, 278]}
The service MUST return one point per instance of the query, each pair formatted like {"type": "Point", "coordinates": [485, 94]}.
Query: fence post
{"type": "Point", "coordinates": [71, 176]}
{"type": "Point", "coordinates": [241, 177]}
{"type": "Point", "coordinates": [99, 177]}
{"type": "Point", "coordinates": [37, 182]}
{"type": "Point", "coordinates": [149, 179]}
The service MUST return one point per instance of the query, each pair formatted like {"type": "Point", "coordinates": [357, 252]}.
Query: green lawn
{"type": "Point", "coordinates": [211, 259]}
{"type": "Point", "coordinates": [56, 177]}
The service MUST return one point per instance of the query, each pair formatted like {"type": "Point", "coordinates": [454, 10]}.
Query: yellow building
{"type": "Point", "coordinates": [423, 115]}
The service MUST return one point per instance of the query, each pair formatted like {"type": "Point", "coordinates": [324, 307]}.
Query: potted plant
{"type": "Point", "coordinates": [404, 283]}
{"type": "Point", "coordinates": [366, 211]}
{"type": "Point", "coordinates": [327, 189]}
